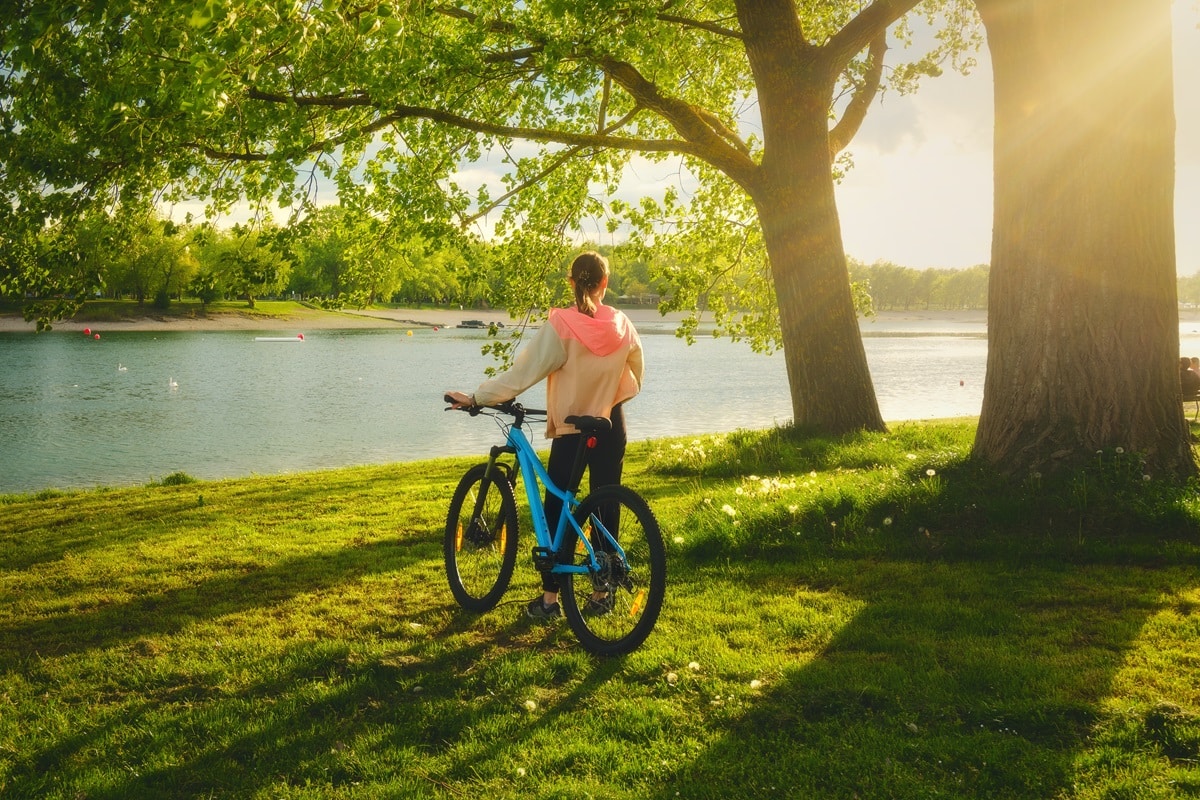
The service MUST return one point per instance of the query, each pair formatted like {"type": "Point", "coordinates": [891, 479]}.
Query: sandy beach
{"type": "Point", "coordinates": [306, 319]}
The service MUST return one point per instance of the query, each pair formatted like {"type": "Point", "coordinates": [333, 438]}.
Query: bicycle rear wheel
{"type": "Point", "coordinates": [480, 544]}
{"type": "Point", "coordinates": [634, 586]}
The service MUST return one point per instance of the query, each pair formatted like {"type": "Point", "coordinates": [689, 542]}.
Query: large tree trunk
{"type": "Point", "coordinates": [793, 193]}
{"type": "Point", "coordinates": [827, 370]}
{"type": "Point", "coordinates": [1083, 330]}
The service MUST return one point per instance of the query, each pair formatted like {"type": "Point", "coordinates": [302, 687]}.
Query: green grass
{"type": "Point", "coordinates": [840, 623]}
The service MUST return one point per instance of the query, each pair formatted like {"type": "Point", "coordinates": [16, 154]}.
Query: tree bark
{"type": "Point", "coordinates": [793, 191]}
{"type": "Point", "coordinates": [1083, 323]}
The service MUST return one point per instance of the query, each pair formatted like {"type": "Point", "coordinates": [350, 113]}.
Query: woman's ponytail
{"type": "Point", "coordinates": [588, 271]}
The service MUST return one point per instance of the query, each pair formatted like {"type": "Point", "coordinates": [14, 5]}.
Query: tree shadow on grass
{"type": "Point", "coordinates": [964, 680]}
{"type": "Point", "coordinates": [993, 623]}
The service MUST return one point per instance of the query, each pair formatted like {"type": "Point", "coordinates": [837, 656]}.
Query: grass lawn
{"type": "Point", "coordinates": [867, 617]}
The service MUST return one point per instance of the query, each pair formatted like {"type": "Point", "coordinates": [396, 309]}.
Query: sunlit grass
{"type": "Point", "coordinates": [869, 616]}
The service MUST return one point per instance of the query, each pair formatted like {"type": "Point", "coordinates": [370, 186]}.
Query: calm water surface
{"type": "Point", "coordinates": [135, 407]}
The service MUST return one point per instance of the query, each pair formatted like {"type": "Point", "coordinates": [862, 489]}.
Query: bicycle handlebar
{"type": "Point", "coordinates": [510, 407]}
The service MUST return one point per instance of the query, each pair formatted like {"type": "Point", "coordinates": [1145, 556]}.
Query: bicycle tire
{"type": "Point", "coordinates": [480, 553]}
{"type": "Point", "coordinates": [636, 587]}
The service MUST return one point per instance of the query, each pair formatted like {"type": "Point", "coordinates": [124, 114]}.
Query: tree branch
{"type": "Point", "coordinates": [710, 27]}
{"type": "Point", "coordinates": [603, 139]}
{"type": "Point", "coordinates": [707, 137]}
{"type": "Point", "coordinates": [864, 94]}
{"type": "Point", "coordinates": [863, 29]}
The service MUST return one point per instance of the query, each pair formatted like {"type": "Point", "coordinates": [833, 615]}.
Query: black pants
{"type": "Point", "coordinates": [604, 464]}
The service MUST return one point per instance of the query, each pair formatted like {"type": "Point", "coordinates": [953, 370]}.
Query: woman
{"type": "Point", "coordinates": [591, 357]}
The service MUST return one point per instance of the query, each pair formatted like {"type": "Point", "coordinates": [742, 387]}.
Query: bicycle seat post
{"type": "Point", "coordinates": [588, 427]}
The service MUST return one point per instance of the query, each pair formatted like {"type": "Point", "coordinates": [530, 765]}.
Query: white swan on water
{"type": "Point", "coordinates": [121, 367]}
{"type": "Point", "coordinates": [172, 384]}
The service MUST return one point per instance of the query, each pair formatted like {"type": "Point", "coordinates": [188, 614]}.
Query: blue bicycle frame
{"type": "Point", "coordinates": [528, 461]}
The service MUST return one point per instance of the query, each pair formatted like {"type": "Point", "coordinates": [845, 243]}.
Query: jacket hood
{"type": "Point", "coordinates": [602, 334]}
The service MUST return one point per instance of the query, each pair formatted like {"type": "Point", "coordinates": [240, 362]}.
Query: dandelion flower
{"type": "Point", "coordinates": [520, 772]}
{"type": "Point", "coordinates": [752, 477]}
{"type": "Point", "coordinates": [1145, 477]}
{"type": "Point", "coordinates": [1120, 450]}
{"type": "Point", "coordinates": [794, 509]}
{"type": "Point", "coordinates": [694, 666]}
{"type": "Point", "coordinates": [672, 678]}
{"type": "Point", "coordinates": [730, 510]}
{"type": "Point", "coordinates": [530, 705]}
{"type": "Point", "coordinates": [887, 520]}
{"type": "Point", "coordinates": [739, 490]}
{"type": "Point", "coordinates": [678, 540]}
{"type": "Point", "coordinates": [812, 474]}
{"type": "Point", "coordinates": [755, 684]}
{"type": "Point", "coordinates": [931, 472]}
{"type": "Point", "coordinates": [911, 456]}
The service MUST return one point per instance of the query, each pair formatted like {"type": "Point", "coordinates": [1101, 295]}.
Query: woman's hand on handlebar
{"type": "Point", "coordinates": [459, 400]}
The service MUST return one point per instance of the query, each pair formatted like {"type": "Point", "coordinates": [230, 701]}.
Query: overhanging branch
{"type": "Point", "coordinates": [856, 110]}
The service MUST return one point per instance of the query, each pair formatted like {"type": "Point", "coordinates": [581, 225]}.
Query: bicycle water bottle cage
{"type": "Point", "coordinates": [543, 559]}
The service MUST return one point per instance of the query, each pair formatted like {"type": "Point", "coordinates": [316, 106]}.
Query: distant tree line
{"type": "Point", "coordinates": [893, 287]}
{"type": "Point", "coordinates": [333, 258]}
{"type": "Point", "coordinates": [1188, 289]}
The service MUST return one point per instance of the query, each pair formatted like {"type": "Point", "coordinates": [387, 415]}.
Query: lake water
{"type": "Point", "coordinates": [138, 406]}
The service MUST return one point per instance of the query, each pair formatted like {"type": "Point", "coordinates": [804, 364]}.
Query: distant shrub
{"type": "Point", "coordinates": [178, 479]}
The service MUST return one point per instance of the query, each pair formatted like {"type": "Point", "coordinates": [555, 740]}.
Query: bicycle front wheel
{"type": "Point", "coordinates": [480, 545]}
{"type": "Point", "coordinates": [613, 610]}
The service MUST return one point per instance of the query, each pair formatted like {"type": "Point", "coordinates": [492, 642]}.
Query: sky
{"type": "Point", "coordinates": [921, 190]}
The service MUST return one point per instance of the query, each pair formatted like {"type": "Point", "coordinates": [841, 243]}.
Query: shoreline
{"type": "Point", "coordinates": [315, 319]}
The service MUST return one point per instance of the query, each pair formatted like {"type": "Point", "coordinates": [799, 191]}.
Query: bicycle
{"type": "Point", "coordinates": [606, 547]}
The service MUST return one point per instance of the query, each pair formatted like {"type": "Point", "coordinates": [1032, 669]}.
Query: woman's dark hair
{"type": "Point", "coordinates": [588, 270]}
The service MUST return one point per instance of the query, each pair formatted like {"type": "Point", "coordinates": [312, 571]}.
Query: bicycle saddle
{"type": "Point", "coordinates": [589, 424]}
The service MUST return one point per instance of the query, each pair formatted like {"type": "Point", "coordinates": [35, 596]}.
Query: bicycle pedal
{"type": "Point", "coordinates": [543, 559]}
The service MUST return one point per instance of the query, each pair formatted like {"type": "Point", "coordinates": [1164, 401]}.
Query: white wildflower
{"type": "Point", "coordinates": [694, 666]}
{"type": "Point", "coordinates": [530, 705]}
{"type": "Point", "coordinates": [730, 510]}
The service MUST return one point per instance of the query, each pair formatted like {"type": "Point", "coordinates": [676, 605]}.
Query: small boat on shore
{"type": "Point", "coordinates": [299, 337]}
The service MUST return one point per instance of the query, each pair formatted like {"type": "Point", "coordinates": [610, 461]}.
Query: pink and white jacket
{"type": "Point", "coordinates": [590, 364]}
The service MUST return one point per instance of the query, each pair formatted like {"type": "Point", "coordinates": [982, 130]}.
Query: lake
{"type": "Point", "coordinates": [138, 406]}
